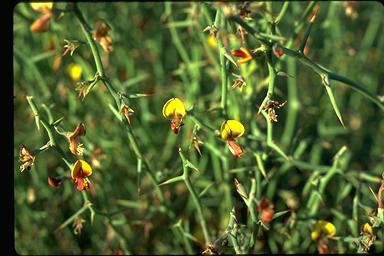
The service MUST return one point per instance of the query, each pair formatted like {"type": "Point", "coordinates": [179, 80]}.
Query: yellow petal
{"type": "Point", "coordinates": [231, 129]}
{"type": "Point", "coordinates": [367, 229]}
{"type": "Point", "coordinates": [173, 106]}
{"type": "Point", "coordinates": [81, 169]}
{"type": "Point", "coordinates": [75, 71]}
{"type": "Point", "coordinates": [314, 234]}
{"type": "Point", "coordinates": [325, 228]}
{"type": "Point", "coordinates": [330, 229]}
{"type": "Point", "coordinates": [42, 7]}
{"type": "Point", "coordinates": [76, 170]}
{"type": "Point", "coordinates": [87, 169]}
{"type": "Point", "coordinates": [212, 41]}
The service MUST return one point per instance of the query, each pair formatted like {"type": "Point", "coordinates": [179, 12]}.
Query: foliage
{"type": "Point", "coordinates": [304, 80]}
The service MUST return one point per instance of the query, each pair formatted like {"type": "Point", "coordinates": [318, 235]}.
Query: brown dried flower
{"type": "Point", "coordinates": [100, 33]}
{"type": "Point", "coordinates": [271, 106]}
{"type": "Point", "coordinates": [26, 158]}
{"type": "Point", "coordinates": [75, 147]}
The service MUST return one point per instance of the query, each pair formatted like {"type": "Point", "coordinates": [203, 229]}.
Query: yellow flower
{"type": "Point", "coordinates": [42, 7]}
{"type": "Point", "coordinates": [367, 236]}
{"type": "Point", "coordinates": [231, 129]}
{"type": "Point", "coordinates": [75, 71]}
{"type": "Point", "coordinates": [79, 173]}
{"type": "Point", "coordinates": [323, 228]}
{"type": "Point", "coordinates": [212, 41]}
{"type": "Point", "coordinates": [174, 108]}
{"type": "Point", "coordinates": [243, 53]}
{"type": "Point", "coordinates": [366, 229]}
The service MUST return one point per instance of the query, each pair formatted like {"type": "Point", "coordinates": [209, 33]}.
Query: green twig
{"type": "Point", "coordinates": [195, 197]}
{"type": "Point", "coordinates": [115, 95]}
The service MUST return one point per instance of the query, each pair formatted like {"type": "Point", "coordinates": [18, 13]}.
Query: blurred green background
{"type": "Point", "coordinates": [145, 59]}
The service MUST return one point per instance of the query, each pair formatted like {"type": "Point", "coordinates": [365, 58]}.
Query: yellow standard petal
{"type": "Point", "coordinates": [212, 41]}
{"type": "Point", "coordinates": [367, 229]}
{"type": "Point", "coordinates": [81, 169]}
{"type": "Point", "coordinates": [76, 170]}
{"type": "Point", "coordinates": [329, 229]}
{"type": "Point", "coordinates": [315, 234]}
{"type": "Point", "coordinates": [323, 228]}
{"type": "Point", "coordinates": [231, 129]}
{"type": "Point", "coordinates": [172, 107]}
{"type": "Point", "coordinates": [87, 169]}
{"type": "Point", "coordinates": [42, 7]}
{"type": "Point", "coordinates": [75, 71]}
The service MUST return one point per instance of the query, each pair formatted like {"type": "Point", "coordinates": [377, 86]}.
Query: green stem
{"type": "Point", "coordinates": [251, 204]}
{"type": "Point", "coordinates": [70, 219]}
{"type": "Point", "coordinates": [282, 12]}
{"type": "Point", "coordinates": [270, 142]}
{"type": "Point", "coordinates": [293, 104]}
{"type": "Point", "coordinates": [186, 241]}
{"type": "Point", "coordinates": [114, 94]}
{"type": "Point", "coordinates": [220, 24]}
{"type": "Point", "coordinates": [95, 52]}
{"type": "Point", "coordinates": [86, 30]}
{"type": "Point", "coordinates": [232, 237]}
{"type": "Point", "coordinates": [195, 198]}
{"type": "Point", "coordinates": [302, 19]}
{"type": "Point", "coordinates": [48, 129]}
{"type": "Point", "coordinates": [357, 87]}
{"type": "Point", "coordinates": [325, 180]}
{"type": "Point", "coordinates": [323, 72]}
{"type": "Point", "coordinates": [271, 84]}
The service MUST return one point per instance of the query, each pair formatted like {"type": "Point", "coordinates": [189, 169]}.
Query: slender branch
{"type": "Point", "coordinates": [282, 12]}
{"type": "Point", "coordinates": [195, 198]}
{"type": "Point", "coordinates": [308, 62]}
{"type": "Point", "coordinates": [220, 24]}
{"type": "Point", "coordinates": [116, 98]}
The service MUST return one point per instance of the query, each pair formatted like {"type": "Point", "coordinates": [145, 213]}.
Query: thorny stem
{"type": "Point", "coordinates": [48, 129]}
{"type": "Point", "coordinates": [114, 94]}
{"type": "Point", "coordinates": [332, 76]}
{"type": "Point", "coordinates": [308, 62]}
{"type": "Point", "coordinates": [53, 144]}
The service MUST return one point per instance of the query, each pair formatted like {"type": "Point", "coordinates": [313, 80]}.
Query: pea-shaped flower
{"type": "Point", "coordinates": [42, 23]}
{"type": "Point", "coordinates": [229, 130]}
{"type": "Point", "coordinates": [80, 171]}
{"type": "Point", "coordinates": [323, 229]}
{"type": "Point", "coordinates": [174, 108]}
{"type": "Point", "coordinates": [243, 53]}
{"type": "Point", "coordinates": [75, 71]}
